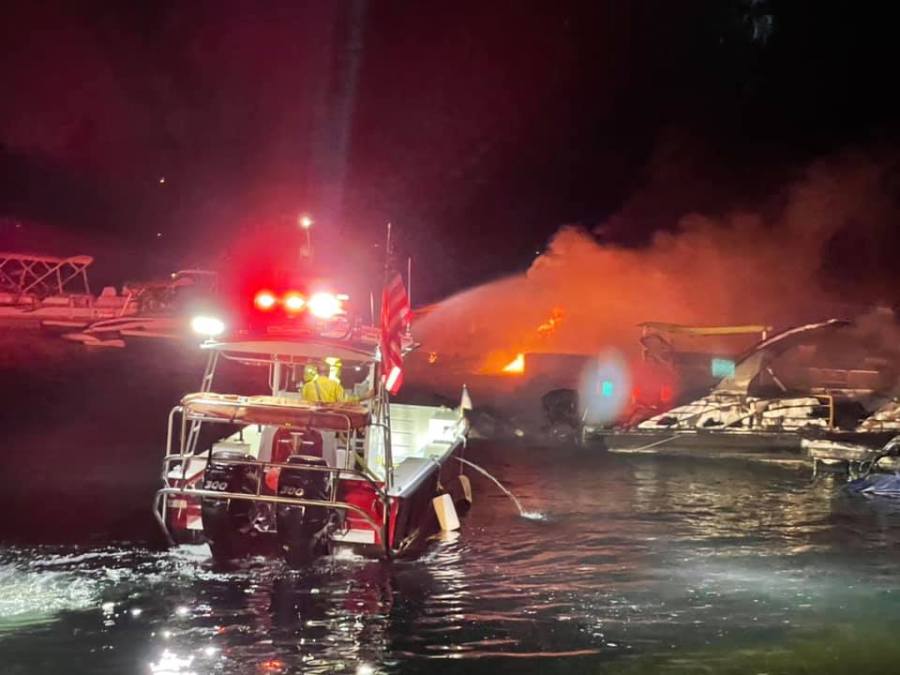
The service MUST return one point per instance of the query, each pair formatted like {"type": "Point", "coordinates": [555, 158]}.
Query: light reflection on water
{"type": "Point", "coordinates": [640, 563]}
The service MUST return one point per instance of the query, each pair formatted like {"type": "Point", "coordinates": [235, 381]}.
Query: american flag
{"type": "Point", "coordinates": [394, 319]}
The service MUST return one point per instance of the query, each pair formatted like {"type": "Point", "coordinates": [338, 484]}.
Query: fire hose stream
{"type": "Point", "coordinates": [530, 515]}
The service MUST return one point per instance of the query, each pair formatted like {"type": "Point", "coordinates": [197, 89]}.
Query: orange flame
{"type": "Point", "coordinates": [551, 324]}
{"type": "Point", "coordinates": [516, 366]}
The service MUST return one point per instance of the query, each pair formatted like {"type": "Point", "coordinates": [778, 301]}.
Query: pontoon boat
{"type": "Point", "coordinates": [47, 290]}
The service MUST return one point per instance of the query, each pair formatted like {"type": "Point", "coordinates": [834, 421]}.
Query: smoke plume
{"type": "Point", "coordinates": [776, 266]}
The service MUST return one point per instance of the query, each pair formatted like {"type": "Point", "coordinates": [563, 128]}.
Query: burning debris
{"type": "Point", "coordinates": [549, 327]}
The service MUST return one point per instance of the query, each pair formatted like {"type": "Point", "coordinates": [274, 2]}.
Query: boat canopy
{"type": "Point", "coordinates": [49, 259]}
{"type": "Point", "coordinates": [42, 275]}
{"type": "Point", "coordinates": [753, 361]}
{"type": "Point", "coordinates": [705, 330]}
{"type": "Point", "coordinates": [295, 350]}
{"type": "Point", "coordinates": [279, 410]}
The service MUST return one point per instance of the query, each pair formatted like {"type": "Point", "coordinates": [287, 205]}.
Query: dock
{"type": "Point", "coordinates": [851, 458]}
{"type": "Point", "coordinates": [844, 452]}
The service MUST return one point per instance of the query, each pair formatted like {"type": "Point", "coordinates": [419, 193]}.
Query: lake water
{"type": "Point", "coordinates": [639, 564]}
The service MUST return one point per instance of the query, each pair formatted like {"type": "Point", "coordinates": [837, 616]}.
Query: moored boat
{"type": "Point", "coordinates": [875, 444]}
{"type": "Point", "coordinates": [155, 310]}
{"type": "Point", "coordinates": [817, 382]}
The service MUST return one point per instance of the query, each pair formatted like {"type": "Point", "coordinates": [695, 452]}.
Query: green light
{"type": "Point", "coordinates": [606, 388]}
{"type": "Point", "coordinates": [722, 367]}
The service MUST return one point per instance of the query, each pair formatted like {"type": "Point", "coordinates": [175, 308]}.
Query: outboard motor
{"type": "Point", "coordinates": [303, 530]}
{"type": "Point", "coordinates": [228, 523]}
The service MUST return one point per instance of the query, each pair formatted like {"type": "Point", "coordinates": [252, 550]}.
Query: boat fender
{"type": "Point", "coordinates": [446, 512]}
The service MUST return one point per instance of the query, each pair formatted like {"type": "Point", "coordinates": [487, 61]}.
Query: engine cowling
{"type": "Point", "coordinates": [302, 530]}
{"type": "Point", "coordinates": [227, 523]}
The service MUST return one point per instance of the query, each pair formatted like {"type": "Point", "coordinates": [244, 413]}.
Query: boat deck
{"type": "Point", "coordinates": [848, 457]}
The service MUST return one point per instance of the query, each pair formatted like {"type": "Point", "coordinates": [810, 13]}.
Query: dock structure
{"type": "Point", "coordinates": [853, 454]}
{"type": "Point", "coordinates": [851, 458]}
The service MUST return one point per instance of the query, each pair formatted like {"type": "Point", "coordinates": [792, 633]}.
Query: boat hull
{"type": "Point", "coordinates": [416, 520]}
{"type": "Point", "coordinates": [411, 520]}
{"type": "Point", "coordinates": [712, 443]}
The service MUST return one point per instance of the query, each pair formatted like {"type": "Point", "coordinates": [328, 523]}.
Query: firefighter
{"type": "Point", "coordinates": [322, 389]}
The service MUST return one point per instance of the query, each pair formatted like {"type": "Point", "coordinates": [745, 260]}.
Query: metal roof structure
{"type": "Point", "coordinates": [42, 275]}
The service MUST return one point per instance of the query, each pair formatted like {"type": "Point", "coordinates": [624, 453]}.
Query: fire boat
{"type": "Point", "coordinates": [280, 472]}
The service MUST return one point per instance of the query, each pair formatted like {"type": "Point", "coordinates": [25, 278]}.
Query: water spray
{"type": "Point", "coordinates": [530, 515]}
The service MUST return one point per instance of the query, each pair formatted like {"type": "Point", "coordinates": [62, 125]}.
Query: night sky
{"type": "Point", "coordinates": [157, 134]}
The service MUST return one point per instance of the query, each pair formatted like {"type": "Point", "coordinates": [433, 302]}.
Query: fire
{"type": "Point", "coordinates": [516, 366]}
{"type": "Point", "coordinates": [551, 324]}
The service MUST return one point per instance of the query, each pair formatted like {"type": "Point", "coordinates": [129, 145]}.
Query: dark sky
{"type": "Point", "coordinates": [478, 128]}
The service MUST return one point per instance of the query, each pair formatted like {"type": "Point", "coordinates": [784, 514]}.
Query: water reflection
{"type": "Point", "coordinates": [639, 561]}
{"type": "Point", "coordinates": [171, 664]}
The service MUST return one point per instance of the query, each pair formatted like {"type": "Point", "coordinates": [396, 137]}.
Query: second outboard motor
{"type": "Point", "coordinates": [302, 530]}
{"type": "Point", "coordinates": [227, 523]}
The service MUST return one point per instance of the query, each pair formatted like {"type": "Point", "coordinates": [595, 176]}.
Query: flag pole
{"type": "Point", "coordinates": [387, 253]}
{"type": "Point", "coordinates": [387, 268]}
{"type": "Point", "coordinates": [384, 412]}
{"type": "Point", "coordinates": [409, 294]}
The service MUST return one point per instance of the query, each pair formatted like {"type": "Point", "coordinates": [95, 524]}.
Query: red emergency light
{"type": "Point", "coordinates": [321, 305]}
{"type": "Point", "coordinates": [265, 300]}
{"type": "Point", "coordinates": [293, 302]}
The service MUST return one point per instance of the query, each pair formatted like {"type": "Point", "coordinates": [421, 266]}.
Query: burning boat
{"type": "Point", "coordinates": [279, 470]}
{"type": "Point", "coordinates": [677, 361]}
{"type": "Point", "coordinates": [819, 381]}
{"type": "Point", "coordinates": [687, 360]}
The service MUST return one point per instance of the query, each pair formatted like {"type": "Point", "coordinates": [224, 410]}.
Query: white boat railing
{"type": "Point", "coordinates": [181, 459]}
